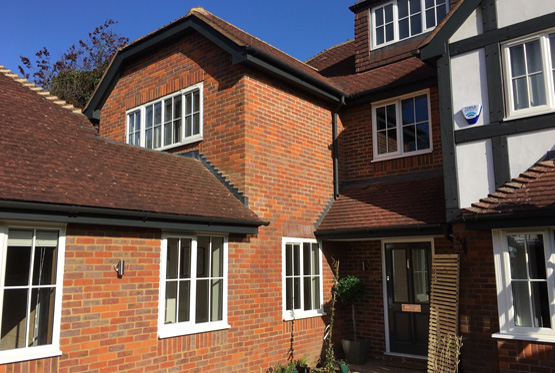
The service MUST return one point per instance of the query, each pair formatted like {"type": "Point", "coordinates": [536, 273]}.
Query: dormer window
{"type": "Point", "coordinates": [402, 19]}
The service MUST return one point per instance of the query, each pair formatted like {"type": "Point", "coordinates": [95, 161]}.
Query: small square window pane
{"type": "Point", "coordinates": [157, 113]}
{"type": "Point", "coordinates": [534, 57]}
{"type": "Point", "coordinates": [18, 262]}
{"type": "Point", "coordinates": [517, 60]}
{"type": "Point", "coordinates": [537, 90]}
{"type": "Point", "coordinates": [184, 313]}
{"type": "Point", "coordinates": [202, 301]}
{"type": "Point", "coordinates": [430, 18]}
{"type": "Point", "coordinates": [415, 24]}
{"type": "Point", "coordinates": [382, 142]}
{"type": "Point", "coordinates": [520, 93]}
{"type": "Point", "coordinates": [441, 12]}
{"type": "Point", "coordinates": [379, 16]}
{"type": "Point", "coordinates": [407, 110]}
{"type": "Point", "coordinates": [429, 3]}
{"type": "Point", "coordinates": [41, 321]}
{"type": "Point", "coordinates": [380, 118]}
{"type": "Point", "coordinates": [172, 258]}
{"type": "Point", "coordinates": [404, 28]}
{"type": "Point", "coordinates": [421, 107]}
{"type": "Point", "coordinates": [216, 306]}
{"type": "Point", "coordinates": [423, 136]}
{"type": "Point", "coordinates": [540, 305]}
{"type": "Point", "coordinates": [388, 13]}
{"type": "Point", "coordinates": [391, 116]}
{"type": "Point", "coordinates": [14, 319]}
{"type": "Point", "coordinates": [521, 303]}
{"type": "Point", "coordinates": [171, 302]}
{"type": "Point", "coordinates": [44, 271]}
{"type": "Point", "coordinates": [389, 32]}
{"type": "Point", "coordinates": [392, 141]}
{"type": "Point", "coordinates": [403, 8]}
{"type": "Point", "coordinates": [414, 6]}
{"type": "Point", "coordinates": [409, 138]}
{"type": "Point", "coordinates": [380, 35]}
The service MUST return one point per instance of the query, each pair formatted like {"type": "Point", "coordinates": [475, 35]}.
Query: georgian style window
{"type": "Point", "coordinates": [193, 288]}
{"type": "Point", "coordinates": [31, 275]}
{"type": "Point", "coordinates": [402, 19]}
{"type": "Point", "coordinates": [302, 278]}
{"type": "Point", "coordinates": [524, 274]}
{"type": "Point", "coordinates": [401, 126]}
{"type": "Point", "coordinates": [530, 75]}
{"type": "Point", "coordinates": [173, 120]}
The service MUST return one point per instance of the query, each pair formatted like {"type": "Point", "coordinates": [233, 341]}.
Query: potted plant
{"type": "Point", "coordinates": [291, 367]}
{"type": "Point", "coordinates": [350, 290]}
{"type": "Point", "coordinates": [302, 365]}
{"type": "Point", "coordinates": [343, 366]}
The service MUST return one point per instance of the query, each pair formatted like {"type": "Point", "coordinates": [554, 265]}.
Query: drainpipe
{"type": "Point", "coordinates": [335, 149]}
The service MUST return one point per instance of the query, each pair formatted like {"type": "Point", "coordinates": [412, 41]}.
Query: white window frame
{"type": "Point", "coordinates": [45, 351]}
{"type": "Point", "coordinates": [190, 327]}
{"type": "Point", "coordinates": [300, 313]}
{"type": "Point", "coordinates": [507, 327]}
{"type": "Point", "coordinates": [399, 153]}
{"type": "Point", "coordinates": [184, 139]}
{"type": "Point", "coordinates": [511, 112]}
{"type": "Point", "coordinates": [396, 37]}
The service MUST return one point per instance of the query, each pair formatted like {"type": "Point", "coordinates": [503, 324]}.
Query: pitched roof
{"type": "Point", "coordinates": [532, 191]}
{"type": "Point", "coordinates": [338, 60]}
{"type": "Point", "coordinates": [388, 202]}
{"type": "Point", "coordinates": [51, 155]}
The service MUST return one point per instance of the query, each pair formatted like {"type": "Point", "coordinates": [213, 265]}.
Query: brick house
{"type": "Point", "coordinates": [228, 176]}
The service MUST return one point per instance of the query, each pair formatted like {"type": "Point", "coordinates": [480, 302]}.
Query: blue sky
{"type": "Point", "coordinates": [301, 28]}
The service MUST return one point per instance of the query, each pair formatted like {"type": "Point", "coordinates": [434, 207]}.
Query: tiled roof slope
{"type": "Point", "coordinates": [531, 191]}
{"type": "Point", "coordinates": [338, 60]}
{"type": "Point", "coordinates": [401, 200]}
{"type": "Point", "coordinates": [50, 155]}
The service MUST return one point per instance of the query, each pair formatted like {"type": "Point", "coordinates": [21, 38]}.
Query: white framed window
{"type": "Point", "coordinates": [170, 121]}
{"type": "Point", "coordinates": [301, 278]}
{"type": "Point", "coordinates": [401, 19]}
{"type": "Point", "coordinates": [402, 126]}
{"type": "Point", "coordinates": [31, 278]}
{"type": "Point", "coordinates": [193, 284]}
{"type": "Point", "coordinates": [524, 265]}
{"type": "Point", "coordinates": [529, 69]}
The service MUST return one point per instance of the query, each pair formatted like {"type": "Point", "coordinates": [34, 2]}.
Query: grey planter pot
{"type": "Point", "coordinates": [356, 352]}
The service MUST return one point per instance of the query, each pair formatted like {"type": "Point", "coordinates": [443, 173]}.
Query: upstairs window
{"type": "Point", "coordinates": [401, 126]}
{"type": "Point", "coordinates": [302, 278]}
{"type": "Point", "coordinates": [170, 121]}
{"type": "Point", "coordinates": [402, 19]}
{"type": "Point", "coordinates": [530, 75]}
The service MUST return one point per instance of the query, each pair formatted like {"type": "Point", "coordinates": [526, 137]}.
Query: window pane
{"type": "Point", "coordinates": [40, 318]}
{"type": "Point", "coordinates": [388, 9]}
{"type": "Point", "coordinates": [184, 301]}
{"type": "Point", "coordinates": [441, 13]}
{"type": "Point", "coordinates": [421, 106]}
{"type": "Point", "coordinates": [289, 294]}
{"type": "Point", "coordinates": [392, 141]}
{"type": "Point", "coordinates": [536, 257]}
{"type": "Point", "coordinates": [297, 292]}
{"type": "Point", "coordinates": [306, 259]}
{"type": "Point", "coordinates": [172, 258]}
{"type": "Point", "coordinates": [44, 271]}
{"type": "Point", "coordinates": [177, 131]}
{"type": "Point", "coordinates": [389, 32]}
{"type": "Point", "coordinates": [316, 293]}
{"type": "Point", "coordinates": [149, 120]}
{"type": "Point", "coordinates": [517, 255]}
{"type": "Point", "coordinates": [307, 293]}
{"type": "Point", "coordinates": [430, 18]}
{"type": "Point", "coordinates": [14, 319]}
{"type": "Point", "coordinates": [168, 133]}
{"type": "Point", "coordinates": [196, 101]}
{"type": "Point", "coordinates": [315, 259]}
{"type": "Point", "coordinates": [202, 301]}
{"type": "Point", "coordinates": [407, 110]}
{"type": "Point", "coordinates": [517, 60]}
{"type": "Point", "coordinates": [414, 6]}
{"type": "Point", "coordinates": [409, 138]}
{"type": "Point", "coordinates": [157, 113]}
{"type": "Point", "coordinates": [420, 276]}
{"type": "Point", "coordinates": [534, 57]}
{"type": "Point", "coordinates": [196, 124]}
{"type": "Point", "coordinates": [216, 306]}
{"type": "Point", "coordinates": [188, 104]}
{"type": "Point", "coordinates": [171, 302]}
{"type": "Point", "coordinates": [400, 283]}
{"type": "Point", "coordinates": [552, 48]}
{"type": "Point", "coordinates": [540, 305]}
{"type": "Point", "coordinates": [404, 28]}
{"type": "Point", "coordinates": [288, 260]}
{"type": "Point", "coordinates": [217, 257]}
{"type": "Point", "coordinates": [403, 8]}
{"type": "Point", "coordinates": [520, 92]}
{"type": "Point", "coordinates": [18, 262]}
{"type": "Point", "coordinates": [423, 136]}
{"type": "Point", "coordinates": [429, 3]}
{"type": "Point", "coordinates": [168, 110]}
{"type": "Point", "coordinates": [203, 257]}
{"type": "Point", "coordinates": [521, 302]}
{"type": "Point", "coordinates": [296, 260]}
{"type": "Point", "coordinates": [379, 16]}
{"type": "Point", "coordinates": [380, 35]}
{"type": "Point", "coordinates": [415, 24]}
{"type": "Point", "coordinates": [131, 121]}
{"type": "Point", "coordinates": [185, 259]}
{"type": "Point", "coordinates": [148, 138]}
{"type": "Point", "coordinates": [157, 137]}
{"type": "Point", "coordinates": [537, 90]}
{"type": "Point", "coordinates": [188, 126]}
{"type": "Point", "coordinates": [380, 118]}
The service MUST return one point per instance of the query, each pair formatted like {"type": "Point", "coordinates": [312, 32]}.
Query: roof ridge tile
{"type": "Point", "coordinates": [39, 90]}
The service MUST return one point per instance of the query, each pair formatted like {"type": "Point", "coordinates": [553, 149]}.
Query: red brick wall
{"type": "Point", "coordinates": [356, 146]}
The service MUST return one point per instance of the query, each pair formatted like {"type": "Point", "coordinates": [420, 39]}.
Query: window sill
{"type": "Point", "coordinates": [31, 353]}
{"type": "Point", "coordinates": [289, 316]}
{"type": "Point", "coordinates": [533, 337]}
{"type": "Point", "coordinates": [527, 113]}
{"type": "Point", "coordinates": [397, 156]}
{"type": "Point", "coordinates": [175, 330]}
{"type": "Point", "coordinates": [187, 141]}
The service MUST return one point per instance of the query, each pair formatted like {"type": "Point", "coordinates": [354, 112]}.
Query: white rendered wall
{"type": "Point", "coordinates": [474, 172]}
{"type": "Point", "coordinates": [471, 27]}
{"type": "Point", "coordinates": [527, 149]}
{"type": "Point", "coordinates": [514, 11]}
{"type": "Point", "coordinates": [469, 86]}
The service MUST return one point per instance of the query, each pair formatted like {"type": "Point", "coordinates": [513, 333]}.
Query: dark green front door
{"type": "Point", "coordinates": [408, 266]}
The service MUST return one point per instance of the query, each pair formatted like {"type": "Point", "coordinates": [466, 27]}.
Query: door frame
{"type": "Point", "coordinates": [385, 241]}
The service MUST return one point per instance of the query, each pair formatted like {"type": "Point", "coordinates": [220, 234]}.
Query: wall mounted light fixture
{"type": "Point", "coordinates": [120, 267]}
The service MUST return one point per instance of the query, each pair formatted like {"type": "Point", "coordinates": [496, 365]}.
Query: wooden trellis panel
{"type": "Point", "coordinates": [443, 342]}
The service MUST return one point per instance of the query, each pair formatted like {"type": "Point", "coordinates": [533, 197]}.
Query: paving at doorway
{"type": "Point", "coordinates": [382, 366]}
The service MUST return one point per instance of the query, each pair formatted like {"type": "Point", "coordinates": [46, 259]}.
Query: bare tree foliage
{"type": "Point", "coordinates": [74, 76]}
